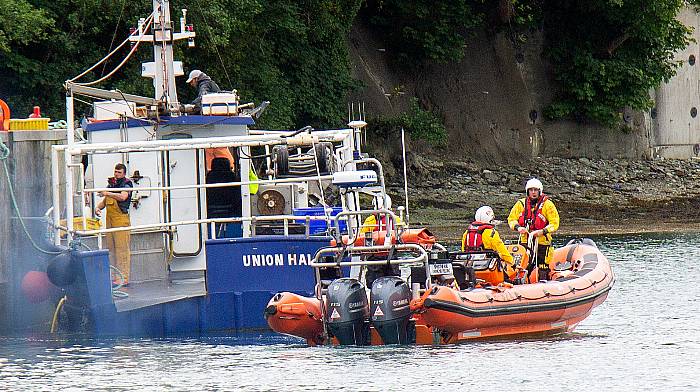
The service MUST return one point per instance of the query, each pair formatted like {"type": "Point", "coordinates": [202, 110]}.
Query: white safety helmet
{"type": "Point", "coordinates": [194, 74]}
{"type": "Point", "coordinates": [378, 203]}
{"type": "Point", "coordinates": [533, 183]}
{"type": "Point", "coordinates": [484, 214]}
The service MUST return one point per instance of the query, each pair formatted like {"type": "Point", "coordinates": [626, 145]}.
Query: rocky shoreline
{"type": "Point", "coordinates": [592, 195]}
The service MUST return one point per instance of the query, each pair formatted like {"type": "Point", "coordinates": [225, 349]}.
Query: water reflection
{"type": "Point", "coordinates": [646, 336]}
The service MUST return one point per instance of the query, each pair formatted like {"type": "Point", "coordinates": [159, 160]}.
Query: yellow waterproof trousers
{"type": "Point", "coordinates": [118, 243]}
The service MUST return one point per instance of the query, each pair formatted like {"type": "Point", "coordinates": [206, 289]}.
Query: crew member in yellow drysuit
{"type": "Point", "coordinates": [117, 204]}
{"type": "Point", "coordinates": [536, 215]}
{"type": "Point", "coordinates": [482, 235]}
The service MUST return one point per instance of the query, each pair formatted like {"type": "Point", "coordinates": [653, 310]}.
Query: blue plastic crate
{"type": "Point", "coordinates": [318, 226]}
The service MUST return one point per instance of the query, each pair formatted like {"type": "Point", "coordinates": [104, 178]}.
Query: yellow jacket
{"type": "Point", "coordinates": [370, 224]}
{"type": "Point", "coordinates": [548, 210]}
{"type": "Point", "coordinates": [492, 241]}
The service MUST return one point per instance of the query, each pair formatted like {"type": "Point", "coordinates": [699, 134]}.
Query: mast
{"type": "Point", "coordinates": [163, 69]}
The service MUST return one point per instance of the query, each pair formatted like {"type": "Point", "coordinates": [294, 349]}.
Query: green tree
{"type": "Point", "coordinates": [426, 29]}
{"type": "Point", "coordinates": [291, 53]}
{"type": "Point", "coordinates": [607, 54]}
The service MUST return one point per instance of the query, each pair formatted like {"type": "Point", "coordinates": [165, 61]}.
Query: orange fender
{"type": "Point", "coordinates": [293, 314]}
{"type": "Point", "coordinates": [4, 116]}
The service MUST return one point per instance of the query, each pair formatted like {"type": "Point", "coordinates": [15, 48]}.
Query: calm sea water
{"type": "Point", "coordinates": [646, 336]}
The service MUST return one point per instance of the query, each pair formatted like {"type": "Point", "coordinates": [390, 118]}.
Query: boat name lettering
{"type": "Point", "coordinates": [276, 260]}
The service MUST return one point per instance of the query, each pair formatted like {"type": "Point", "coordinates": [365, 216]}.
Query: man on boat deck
{"type": "Point", "coordinates": [482, 235]}
{"type": "Point", "coordinates": [372, 223]}
{"type": "Point", "coordinates": [117, 204]}
{"type": "Point", "coordinates": [535, 215]}
{"type": "Point", "coordinates": [204, 85]}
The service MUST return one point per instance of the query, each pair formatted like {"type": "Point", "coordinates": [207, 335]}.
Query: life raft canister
{"type": "Point", "coordinates": [473, 237]}
{"type": "Point", "coordinates": [534, 220]}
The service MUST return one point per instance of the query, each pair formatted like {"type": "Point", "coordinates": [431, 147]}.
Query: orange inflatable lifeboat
{"type": "Point", "coordinates": [293, 314]}
{"type": "Point", "coordinates": [502, 303]}
{"type": "Point", "coordinates": [581, 278]}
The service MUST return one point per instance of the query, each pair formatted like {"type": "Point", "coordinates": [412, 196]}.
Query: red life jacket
{"type": "Point", "coordinates": [473, 240]}
{"type": "Point", "coordinates": [532, 216]}
{"type": "Point", "coordinates": [379, 222]}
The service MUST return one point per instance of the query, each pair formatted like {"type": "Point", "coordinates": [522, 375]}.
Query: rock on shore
{"type": "Point", "coordinates": [589, 193]}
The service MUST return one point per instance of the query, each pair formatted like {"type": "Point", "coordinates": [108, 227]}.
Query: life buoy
{"type": "Point", "coordinates": [4, 116]}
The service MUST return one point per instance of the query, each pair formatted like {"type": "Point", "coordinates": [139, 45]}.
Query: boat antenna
{"type": "Point", "coordinates": [405, 176]}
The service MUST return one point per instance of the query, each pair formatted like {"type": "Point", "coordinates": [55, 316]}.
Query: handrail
{"type": "Point", "coordinates": [422, 258]}
{"type": "Point", "coordinates": [336, 221]}
{"type": "Point", "coordinates": [216, 185]}
{"type": "Point", "coordinates": [196, 222]}
{"type": "Point", "coordinates": [196, 143]}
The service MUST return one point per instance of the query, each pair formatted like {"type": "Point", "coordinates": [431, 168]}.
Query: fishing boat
{"type": "Point", "coordinates": [451, 305]}
{"type": "Point", "coordinates": [211, 243]}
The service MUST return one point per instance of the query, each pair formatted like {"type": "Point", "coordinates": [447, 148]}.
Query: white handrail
{"type": "Point", "coordinates": [217, 185]}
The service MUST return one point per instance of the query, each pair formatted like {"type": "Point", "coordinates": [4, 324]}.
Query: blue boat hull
{"type": "Point", "coordinates": [242, 275]}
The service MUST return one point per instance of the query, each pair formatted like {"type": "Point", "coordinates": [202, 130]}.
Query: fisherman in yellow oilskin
{"type": "Point", "coordinates": [535, 215]}
{"type": "Point", "coordinates": [117, 204]}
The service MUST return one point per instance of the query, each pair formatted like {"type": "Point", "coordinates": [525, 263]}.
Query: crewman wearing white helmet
{"type": "Point", "coordinates": [482, 235]}
{"type": "Point", "coordinates": [536, 215]}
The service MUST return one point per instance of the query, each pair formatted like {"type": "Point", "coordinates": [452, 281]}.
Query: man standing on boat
{"type": "Point", "coordinates": [204, 85]}
{"type": "Point", "coordinates": [535, 215]}
{"type": "Point", "coordinates": [117, 203]}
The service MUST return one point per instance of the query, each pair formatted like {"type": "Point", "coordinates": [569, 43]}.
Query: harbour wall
{"type": "Point", "coordinates": [29, 166]}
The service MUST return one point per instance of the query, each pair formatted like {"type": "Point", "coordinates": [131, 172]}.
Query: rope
{"type": "Point", "coordinates": [4, 154]}
{"type": "Point", "coordinates": [150, 17]}
{"type": "Point", "coordinates": [54, 320]}
{"type": "Point", "coordinates": [128, 56]}
{"type": "Point", "coordinates": [115, 287]}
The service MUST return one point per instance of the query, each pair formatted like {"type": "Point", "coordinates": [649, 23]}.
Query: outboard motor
{"type": "Point", "coordinates": [347, 311]}
{"type": "Point", "coordinates": [390, 311]}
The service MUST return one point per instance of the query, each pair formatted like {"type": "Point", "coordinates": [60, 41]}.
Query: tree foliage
{"type": "Point", "coordinates": [607, 54]}
{"type": "Point", "coordinates": [291, 53]}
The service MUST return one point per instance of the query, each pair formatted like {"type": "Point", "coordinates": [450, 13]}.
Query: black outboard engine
{"type": "Point", "coordinates": [347, 312]}
{"type": "Point", "coordinates": [390, 311]}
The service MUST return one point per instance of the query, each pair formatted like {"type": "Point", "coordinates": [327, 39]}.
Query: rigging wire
{"type": "Point", "coordinates": [128, 56]}
{"type": "Point", "coordinates": [150, 17]}
{"type": "Point", "coordinates": [114, 36]}
{"type": "Point", "coordinates": [216, 49]}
